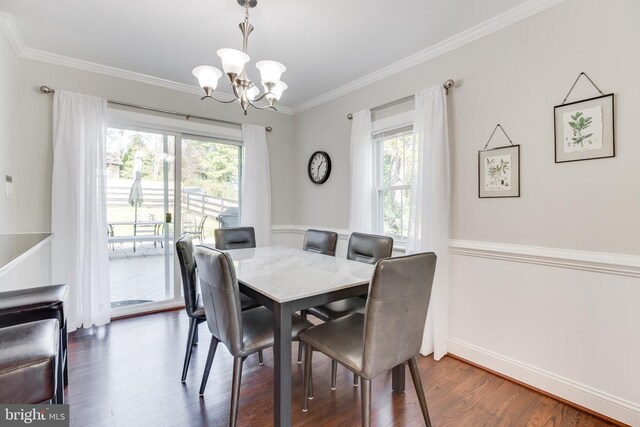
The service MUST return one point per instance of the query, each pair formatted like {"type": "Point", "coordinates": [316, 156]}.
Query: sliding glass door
{"type": "Point", "coordinates": [141, 169]}
{"type": "Point", "coordinates": [211, 170]}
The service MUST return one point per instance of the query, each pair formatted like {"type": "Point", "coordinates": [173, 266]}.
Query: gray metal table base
{"type": "Point", "coordinates": [282, 344]}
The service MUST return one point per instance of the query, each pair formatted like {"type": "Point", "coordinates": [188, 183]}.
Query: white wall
{"type": "Point", "coordinates": [28, 137]}
{"type": "Point", "coordinates": [8, 130]}
{"type": "Point", "coordinates": [572, 332]}
{"type": "Point", "coordinates": [559, 325]}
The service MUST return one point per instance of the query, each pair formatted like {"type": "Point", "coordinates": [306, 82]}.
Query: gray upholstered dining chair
{"type": "Point", "coordinates": [235, 238]}
{"type": "Point", "coordinates": [242, 332]}
{"type": "Point", "coordinates": [321, 242]}
{"type": "Point", "coordinates": [387, 334]}
{"type": "Point", "coordinates": [362, 247]}
{"type": "Point", "coordinates": [192, 303]}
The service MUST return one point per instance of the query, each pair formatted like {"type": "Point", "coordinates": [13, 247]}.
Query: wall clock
{"type": "Point", "coordinates": [319, 167]}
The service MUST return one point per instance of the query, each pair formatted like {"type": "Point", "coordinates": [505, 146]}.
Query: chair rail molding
{"type": "Point", "coordinates": [597, 262]}
{"type": "Point", "coordinates": [343, 234]}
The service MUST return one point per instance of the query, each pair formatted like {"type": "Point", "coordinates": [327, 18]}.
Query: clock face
{"type": "Point", "coordinates": [319, 167]}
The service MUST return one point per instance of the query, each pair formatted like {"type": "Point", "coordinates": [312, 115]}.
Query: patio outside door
{"type": "Point", "coordinates": [140, 211]}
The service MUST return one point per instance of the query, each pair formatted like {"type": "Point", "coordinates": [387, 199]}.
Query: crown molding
{"type": "Point", "coordinates": [483, 29]}
{"type": "Point", "coordinates": [8, 25]}
{"type": "Point", "coordinates": [24, 52]}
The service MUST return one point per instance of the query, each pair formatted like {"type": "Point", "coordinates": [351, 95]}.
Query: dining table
{"type": "Point", "coordinates": [286, 280]}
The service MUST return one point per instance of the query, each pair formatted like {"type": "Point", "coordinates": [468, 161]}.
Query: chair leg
{"type": "Point", "coordinates": [260, 358]}
{"type": "Point", "coordinates": [300, 348]}
{"type": "Point", "coordinates": [207, 367]}
{"type": "Point", "coordinates": [355, 380]}
{"type": "Point", "coordinates": [334, 373]}
{"type": "Point", "coordinates": [417, 383]}
{"type": "Point", "coordinates": [65, 337]}
{"type": "Point", "coordinates": [59, 396]}
{"type": "Point", "coordinates": [365, 391]}
{"type": "Point", "coordinates": [195, 336]}
{"type": "Point", "coordinates": [306, 386]}
{"type": "Point", "coordinates": [235, 390]}
{"type": "Point", "coordinates": [193, 332]}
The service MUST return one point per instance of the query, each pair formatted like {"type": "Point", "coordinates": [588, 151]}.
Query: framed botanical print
{"type": "Point", "coordinates": [499, 172]}
{"type": "Point", "coordinates": [584, 130]}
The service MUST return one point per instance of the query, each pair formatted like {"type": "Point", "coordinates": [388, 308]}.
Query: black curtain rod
{"type": "Point", "coordinates": [449, 84]}
{"type": "Point", "coordinates": [48, 90]}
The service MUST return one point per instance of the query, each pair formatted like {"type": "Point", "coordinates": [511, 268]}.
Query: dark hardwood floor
{"type": "Point", "coordinates": [128, 374]}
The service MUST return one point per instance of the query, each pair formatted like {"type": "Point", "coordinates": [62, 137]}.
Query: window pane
{"type": "Point", "coordinates": [210, 187]}
{"type": "Point", "coordinates": [396, 207]}
{"type": "Point", "coordinates": [140, 169]}
{"type": "Point", "coordinates": [397, 155]}
{"type": "Point", "coordinates": [393, 161]}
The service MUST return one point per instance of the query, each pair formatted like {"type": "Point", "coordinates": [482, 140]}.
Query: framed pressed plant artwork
{"type": "Point", "coordinates": [584, 130]}
{"type": "Point", "coordinates": [499, 172]}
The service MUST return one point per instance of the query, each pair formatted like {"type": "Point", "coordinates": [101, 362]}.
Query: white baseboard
{"type": "Point", "coordinates": [596, 400]}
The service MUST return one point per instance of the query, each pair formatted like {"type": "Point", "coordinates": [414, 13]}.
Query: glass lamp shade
{"type": "Point", "coordinates": [278, 89]}
{"type": "Point", "coordinates": [233, 60]}
{"type": "Point", "coordinates": [207, 76]}
{"type": "Point", "coordinates": [252, 93]}
{"type": "Point", "coordinates": [270, 71]}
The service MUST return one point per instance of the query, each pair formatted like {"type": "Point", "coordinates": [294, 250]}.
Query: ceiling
{"type": "Point", "coordinates": [325, 44]}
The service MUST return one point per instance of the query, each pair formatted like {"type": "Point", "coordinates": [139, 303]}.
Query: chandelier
{"type": "Point", "coordinates": [233, 64]}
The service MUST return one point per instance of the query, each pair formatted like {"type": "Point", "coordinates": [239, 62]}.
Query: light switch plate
{"type": "Point", "coordinates": [8, 182]}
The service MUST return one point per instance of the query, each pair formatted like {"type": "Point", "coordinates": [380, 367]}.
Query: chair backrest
{"type": "Point", "coordinates": [321, 242]}
{"type": "Point", "coordinates": [221, 297]}
{"type": "Point", "coordinates": [235, 238]}
{"type": "Point", "coordinates": [201, 225]}
{"type": "Point", "coordinates": [396, 311]}
{"type": "Point", "coordinates": [369, 248]}
{"type": "Point", "coordinates": [184, 248]}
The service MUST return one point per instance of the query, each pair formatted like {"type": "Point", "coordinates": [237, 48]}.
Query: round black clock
{"type": "Point", "coordinates": [319, 167]}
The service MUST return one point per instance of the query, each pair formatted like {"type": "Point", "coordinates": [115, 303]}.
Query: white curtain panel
{"type": "Point", "coordinates": [255, 192]}
{"type": "Point", "coordinates": [78, 207]}
{"type": "Point", "coordinates": [361, 211]}
{"type": "Point", "coordinates": [430, 208]}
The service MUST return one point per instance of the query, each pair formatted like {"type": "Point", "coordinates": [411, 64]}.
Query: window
{"type": "Point", "coordinates": [393, 165]}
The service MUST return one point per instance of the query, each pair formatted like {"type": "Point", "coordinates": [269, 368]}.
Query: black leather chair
{"type": "Point", "coordinates": [388, 333]}
{"type": "Point", "coordinates": [29, 371]}
{"type": "Point", "coordinates": [40, 303]}
{"type": "Point", "coordinates": [235, 238]}
{"type": "Point", "coordinates": [362, 247]}
{"type": "Point", "coordinates": [242, 332]}
{"type": "Point", "coordinates": [192, 303]}
{"type": "Point", "coordinates": [320, 242]}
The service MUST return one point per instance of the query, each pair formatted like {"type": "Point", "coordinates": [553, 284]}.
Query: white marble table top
{"type": "Point", "coordinates": [287, 274]}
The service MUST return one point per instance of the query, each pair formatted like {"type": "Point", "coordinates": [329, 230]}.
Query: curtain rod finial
{"type": "Point", "coordinates": [46, 89]}
{"type": "Point", "coordinates": [268, 128]}
{"type": "Point", "coordinates": [350, 116]}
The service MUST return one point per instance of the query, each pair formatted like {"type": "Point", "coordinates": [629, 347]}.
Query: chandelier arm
{"type": "Point", "coordinates": [261, 108]}
{"type": "Point", "coordinates": [216, 99]}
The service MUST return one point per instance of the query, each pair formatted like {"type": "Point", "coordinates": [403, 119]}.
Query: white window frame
{"type": "Point", "coordinates": [400, 124]}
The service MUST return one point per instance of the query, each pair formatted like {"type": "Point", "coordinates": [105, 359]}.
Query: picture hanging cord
{"type": "Point", "coordinates": [574, 85]}
{"type": "Point", "coordinates": [494, 131]}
